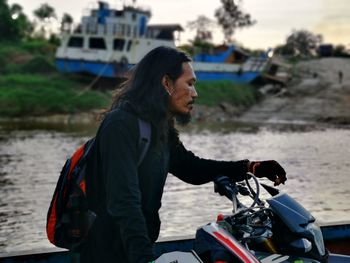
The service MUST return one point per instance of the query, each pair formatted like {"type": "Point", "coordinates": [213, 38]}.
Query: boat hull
{"type": "Point", "coordinates": [243, 78]}
{"type": "Point", "coordinates": [100, 69]}
{"type": "Point", "coordinates": [116, 70]}
{"type": "Point", "coordinates": [336, 236]}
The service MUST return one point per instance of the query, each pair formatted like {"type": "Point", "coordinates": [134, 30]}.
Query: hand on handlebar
{"type": "Point", "coordinates": [269, 169]}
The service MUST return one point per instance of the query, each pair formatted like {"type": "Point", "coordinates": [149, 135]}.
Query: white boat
{"type": "Point", "coordinates": [108, 42]}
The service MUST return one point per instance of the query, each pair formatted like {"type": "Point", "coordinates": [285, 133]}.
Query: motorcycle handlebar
{"type": "Point", "coordinates": [225, 186]}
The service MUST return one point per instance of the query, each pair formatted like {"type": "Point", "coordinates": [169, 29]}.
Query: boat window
{"type": "Point", "coordinates": [97, 43]}
{"type": "Point", "coordinates": [76, 42]}
{"type": "Point", "coordinates": [238, 57]}
{"type": "Point", "coordinates": [135, 31]}
{"type": "Point", "coordinates": [122, 29]}
{"type": "Point", "coordinates": [129, 45]}
{"type": "Point", "coordinates": [117, 29]}
{"type": "Point", "coordinates": [118, 44]}
{"type": "Point", "coordinates": [128, 30]}
{"type": "Point", "coordinates": [133, 16]}
{"type": "Point", "coordinates": [118, 13]}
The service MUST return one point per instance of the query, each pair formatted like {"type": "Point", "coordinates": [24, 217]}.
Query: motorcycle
{"type": "Point", "coordinates": [277, 229]}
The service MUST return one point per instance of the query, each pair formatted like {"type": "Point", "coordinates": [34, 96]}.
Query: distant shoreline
{"type": "Point", "coordinates": [202, 115]}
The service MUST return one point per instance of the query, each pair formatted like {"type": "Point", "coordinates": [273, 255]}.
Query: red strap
{"type": "Point", "coordinates": [82, 186]}
{"type": "Point", "coordinates": [51, 223]}
{"type": "Point", "coordinates": [75, 158]}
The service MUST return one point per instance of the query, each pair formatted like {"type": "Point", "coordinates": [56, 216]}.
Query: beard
{"type": "Point", "coordinates": [183, 118]}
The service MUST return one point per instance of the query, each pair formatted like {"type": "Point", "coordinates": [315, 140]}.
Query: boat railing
{"type": "Point", "coordinates": [256, 64]}
{"type": "Point", "coordinates": [116, 30]}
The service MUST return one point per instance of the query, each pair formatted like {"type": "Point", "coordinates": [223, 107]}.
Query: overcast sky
{"type": "Point", "coordinates": [275, 18]}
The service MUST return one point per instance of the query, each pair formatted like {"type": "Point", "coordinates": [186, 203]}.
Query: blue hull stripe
{"type": "Point", "coordinates": [245, 77]}
{"type": "Point", "coordinates": [111, 70]}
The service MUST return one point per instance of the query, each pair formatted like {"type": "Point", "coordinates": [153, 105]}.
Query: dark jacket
{"type": "Point", "coordinates": [126, 197]}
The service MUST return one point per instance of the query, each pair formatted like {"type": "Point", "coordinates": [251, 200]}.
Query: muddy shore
{"type": "Point", "coordinates": [316, 95]}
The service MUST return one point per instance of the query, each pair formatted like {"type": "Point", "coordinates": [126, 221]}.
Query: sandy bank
{"type": "Point", "coordinates": [316, 95]}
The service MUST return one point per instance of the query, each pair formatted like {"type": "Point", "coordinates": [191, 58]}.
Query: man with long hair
{"type": "Point", "coordinates": [125, 195]}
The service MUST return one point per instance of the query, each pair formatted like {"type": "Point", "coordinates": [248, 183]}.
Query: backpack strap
{"type": "Point", "coordinates": [145, 139]}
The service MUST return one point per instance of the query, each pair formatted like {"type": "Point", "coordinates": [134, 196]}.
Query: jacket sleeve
{"type": "Point", "coordinates": [194, 170]}
{"type": "Point", "coordinates": [119, 155]}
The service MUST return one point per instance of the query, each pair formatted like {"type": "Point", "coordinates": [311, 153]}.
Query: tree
{"type": "Point", "coordinates": [284, 50]}
{"type": "Point", "coordinates": [202, 26]}
{"type": "Point", "coordinates": [16, 9]}
{"type": "Point", "coordinates": [340, 51]}
{"type": "Point", "coordinates": [24, 26]}
{"type": "Point", "coordinates": [230, 17]}
{"type": "Point", "coordinates": [303, 43]}
{"type": "Point", "coordinates": [8, 29]}
{"type": "Point", "coordinates": [45, 13]}
{"type": "Point", "coordinates": [66, 22]}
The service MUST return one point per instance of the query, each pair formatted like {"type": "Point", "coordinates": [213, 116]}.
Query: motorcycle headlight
{"type": "Point", "coordinates": [316, 233]}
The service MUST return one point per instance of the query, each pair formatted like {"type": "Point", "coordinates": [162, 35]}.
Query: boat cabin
{"type": "Point", "coordinates": [108, 41]}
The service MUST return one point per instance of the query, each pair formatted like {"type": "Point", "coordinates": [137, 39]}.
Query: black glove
{"type": "Point", "coordinates": [269, 169]}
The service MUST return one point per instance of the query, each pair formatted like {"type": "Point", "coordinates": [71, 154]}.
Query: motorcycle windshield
{"type": "Point", "coordinates": [291, 212]}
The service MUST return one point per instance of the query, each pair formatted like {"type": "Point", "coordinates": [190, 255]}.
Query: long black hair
{"type": "Point", "coordinates": [144, 89]}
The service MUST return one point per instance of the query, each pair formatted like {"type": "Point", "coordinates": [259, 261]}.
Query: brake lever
{"type": "Point", "coordinates": [243, 190]}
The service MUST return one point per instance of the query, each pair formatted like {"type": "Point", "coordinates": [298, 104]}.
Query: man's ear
{"type": "Point", "coordinates": [167, 84]}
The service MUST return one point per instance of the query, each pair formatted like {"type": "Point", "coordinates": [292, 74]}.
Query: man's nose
{"type": "Point", "coordinates": [194, 93]}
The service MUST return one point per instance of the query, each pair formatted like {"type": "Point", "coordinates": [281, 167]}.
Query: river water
{"type": "Point", "coordinates": [316, 159]}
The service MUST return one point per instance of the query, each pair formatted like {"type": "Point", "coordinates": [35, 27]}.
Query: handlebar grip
{"type": "Point", "coordinates": [224, 186]}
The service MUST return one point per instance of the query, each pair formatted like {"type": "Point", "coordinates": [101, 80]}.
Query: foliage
{"type": "Point", "coordinates": [340, 51]}
{"type": "Point", "coordinates": [197, 47]}
{"type": "Point", "coordinates": [30, 84]}
{"type": "Point", "coordinates": [186, 48]}
{"type": "Point", "coordinates": [38, 64]}
{"type": "Point", "coordinates": [28, 94]}
{"type": "Point", "coordinates": [212, 93]}
{"type": "Point", "coordinates": [14, 24]}
{"type": "Point", "coordinates": [27, 56]}
{"type": "Point", "coordinates": [25, 27]}
{"type": "Point", "coordinates": [230, 17]}
{"type": "Point", "coordinates": [202, 42]}
{"type": "Point", "coordinates": [54, 40]}
{"type": "Point", "coordinates": [284, 50]}
{"type": "Point", "coordinates": [44, 13]}
{"type": "Point", "coordinates": [39, 47]}
{"type": "Point", "coordinates": [9, 30]}
{"type": "Point", "coordinates": [300, 43]}
{"type": "Point", "coordinates": [202, 26]}
{"type": "Point", "coordinates": [66, 22]}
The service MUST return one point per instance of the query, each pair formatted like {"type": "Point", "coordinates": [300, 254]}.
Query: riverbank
{"type": "Point", "coordinates": [316, 95]}
{"type": "Point", "coordinates": [31, 90]}
{"type": "Point", "coordinates": [30, 84]}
